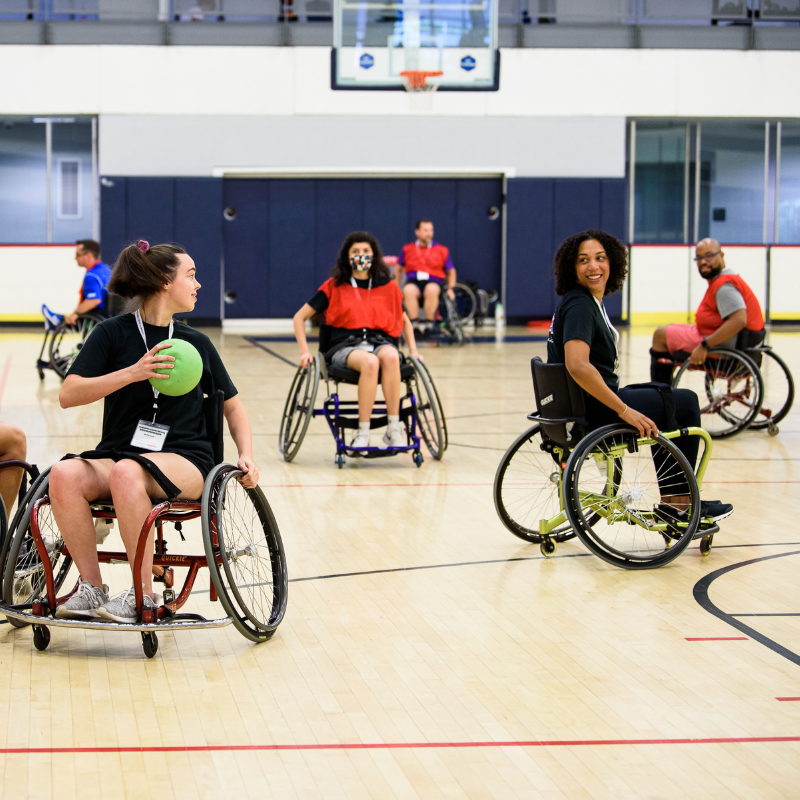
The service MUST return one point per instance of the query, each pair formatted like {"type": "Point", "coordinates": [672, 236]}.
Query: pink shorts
{"type": "Point", "coordinates": [682, 336]}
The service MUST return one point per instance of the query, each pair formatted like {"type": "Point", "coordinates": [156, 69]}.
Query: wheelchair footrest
{"type": "Point", "coordinates": [109, 625]}
{"type": "Point", "coordinates": [706, 530]}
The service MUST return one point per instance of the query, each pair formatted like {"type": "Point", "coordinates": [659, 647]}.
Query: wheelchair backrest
{"type": "Point", "coordinates": [746, 340]}
{"type": "Point", "coordinates": [213, 407]}
{"type": "Point", "coordinates": [324, 338]}
{"type": "Point", "coordinates": [558, 397]}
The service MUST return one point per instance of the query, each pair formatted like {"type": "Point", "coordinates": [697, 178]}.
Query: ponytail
{"type": "Point", "coordinates": [142, 271]}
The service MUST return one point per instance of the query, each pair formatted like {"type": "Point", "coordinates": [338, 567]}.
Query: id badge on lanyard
{"type": "Point", "coordinates": [149, 435]}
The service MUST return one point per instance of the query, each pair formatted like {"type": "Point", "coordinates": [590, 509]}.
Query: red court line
{"type": "Point", "coordinates": [717, 639]}
{"type": "Point", "coordinates": [4, 379]}
{"type": "Point", "coordinates": [234, 748]}
{"type": "Point", "coordinates": [784, 699]}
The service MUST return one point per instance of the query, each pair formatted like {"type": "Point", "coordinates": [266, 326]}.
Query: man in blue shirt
{"type": "Point", "coordinates": [93, 288]}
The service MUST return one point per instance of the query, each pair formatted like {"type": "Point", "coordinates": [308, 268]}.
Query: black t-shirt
{"type": "Point", "coordinates": [115, 344]}
{"type": "Point", "coordinates": [319, 302]}
{"type": "Point", "coordinates": [579, 317]}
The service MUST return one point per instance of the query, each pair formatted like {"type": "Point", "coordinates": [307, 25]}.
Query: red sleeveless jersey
{"type": "Point", "coordinates": [708, 319]}
{"type": "Point", "coordinates": [379, 308]}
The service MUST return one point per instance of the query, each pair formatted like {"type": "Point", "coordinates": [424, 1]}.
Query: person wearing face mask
{"type": "Point", "coordinates": [728, 307]}
{"type": "Point", "coordinates": [364, 308]}
{"type": "Point", "coordinates": [588, 266]}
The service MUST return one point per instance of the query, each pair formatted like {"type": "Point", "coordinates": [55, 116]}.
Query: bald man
{"type": "Point", "coordinates": [728, 307]}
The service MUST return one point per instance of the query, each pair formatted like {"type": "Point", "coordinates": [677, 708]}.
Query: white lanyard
{"type": "Point", "coordinates": [140, 326]}
{"type": "Point", "coordinates": [613, 331]}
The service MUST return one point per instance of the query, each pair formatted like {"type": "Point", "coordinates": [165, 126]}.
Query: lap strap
{"type": "Point", "coordinates": [166, 485]}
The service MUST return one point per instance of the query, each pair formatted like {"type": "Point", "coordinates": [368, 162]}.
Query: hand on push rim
{"type": "Point", "coordinates": [250, 478]}
{"type": "Point", "coordinates": [145, 367]}
{"type": "Point", "coordinates": [305, 359]}
{"type": "Point", "coordinates": [698, 355]}
{"type": "Point", "coordinates": [645, 426]}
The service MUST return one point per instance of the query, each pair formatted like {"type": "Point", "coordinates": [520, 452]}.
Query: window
{"type": "Point", "coordinates": [69, 189]}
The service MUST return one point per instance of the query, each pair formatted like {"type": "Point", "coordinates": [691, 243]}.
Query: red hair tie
{"type": "Point", "coordinates": [143, 245]}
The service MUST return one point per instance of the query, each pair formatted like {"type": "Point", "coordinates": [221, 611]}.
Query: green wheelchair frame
{"type": "Point", "coordinates": [607, 494]}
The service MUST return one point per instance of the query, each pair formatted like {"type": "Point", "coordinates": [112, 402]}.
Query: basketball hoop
{"type": "Point", "coordinates": [416, 80]}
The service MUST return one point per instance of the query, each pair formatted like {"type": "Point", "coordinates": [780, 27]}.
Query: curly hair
{"type": "Point", "coordinates": [342, 272]}
{"type": "Point", "coordinates": [566, 258]}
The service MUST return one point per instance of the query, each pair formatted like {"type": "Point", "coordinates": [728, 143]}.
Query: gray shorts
{"type": "Point", "coordinates": [339, 358]}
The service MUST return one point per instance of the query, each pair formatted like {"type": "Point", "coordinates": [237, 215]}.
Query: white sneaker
{"type": "Point", "coordinates": [122, 608]}
{"type": "Point", "coordinates": [84, 603]}
{"type": "Point", "coordinates": [395, 435]}
{"type": "Point", "coordinates": [361, 440]}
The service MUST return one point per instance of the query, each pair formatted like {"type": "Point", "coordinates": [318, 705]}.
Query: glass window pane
{"type": "Point", "coordinates": [732, 181]}
{"type": "Point", "coordinates": [72, 181]}
{"type": "Point", "coordinates": [23, 181]}
{"type": "Point", "coordinates": [789, 197]}
{"type": "Point", "coordinates": [659, 187]}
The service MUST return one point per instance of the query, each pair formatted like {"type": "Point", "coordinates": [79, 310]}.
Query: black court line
{"type": "Point", "coordinates": [271, 352]}
{"type": "Point", "coordinates": [700, 592]}
{"type": "Point", "coordinates": [790, 614]}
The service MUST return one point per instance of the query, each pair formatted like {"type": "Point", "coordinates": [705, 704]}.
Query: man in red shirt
{"type": "Point", "coordinates": [427, 265]}
{"type": "Point", "coordinates": [728, 307]}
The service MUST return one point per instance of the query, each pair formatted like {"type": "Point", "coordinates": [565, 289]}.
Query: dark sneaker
{"type": "Point", "coordinates": [713, 509]}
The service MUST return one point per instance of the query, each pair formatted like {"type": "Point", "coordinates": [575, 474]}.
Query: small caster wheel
{"type": "Point", "coordinates": [41, 374]}
{"type": "Point", "coordinates": [340, 460]}
{"type": "Point", "coordinates": [418, 459]}
{"type": "Point", "coordinates": [705, 545]}
{"type": "Point", "coordinates": [773, 429]}
{"type": "Point", "coordinates": [149, 644]}
{"type": "Point", "coordinates": [667, 541]}
{"type": "Point", "coordinates": [548, 547]}
{"type": "Point", "coordinates": [41, 637]}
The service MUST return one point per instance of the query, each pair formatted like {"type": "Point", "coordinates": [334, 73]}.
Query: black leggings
{"type": "Point", "coordinates": [648, 402]}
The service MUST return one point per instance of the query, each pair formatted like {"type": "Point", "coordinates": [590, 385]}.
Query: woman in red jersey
{"type": "Point", "coordinates": [364, 308]}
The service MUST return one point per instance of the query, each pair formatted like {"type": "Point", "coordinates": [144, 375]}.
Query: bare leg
{"type": "Point", "coordinates": [432, 292]}
{"type": "Point", "coordinates": [368, 365]}
{"type": "Point", "coordinates": [411, 296]}
{"type": "Point", "coordinates": [73, 485]}
{"type": "Point", "coordinates": [389, 360]}
{"type": "Point", "coordinates": [132, 489]}
{"type": "Point", "coordinates": [12, 447]}
{"type": "Point", "coordinates": [660, 339]}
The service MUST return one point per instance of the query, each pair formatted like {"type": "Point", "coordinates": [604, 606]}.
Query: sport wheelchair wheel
{"type": "Point", "coordinates": [424, 368]}
{"type": "Point", "coordinates": [245, 554]}
{"type": "Point", "coordinates": [66, 342]}
{"type": "Point", "coordinates": [729, 388]}
{"type": "Point", "coordinates": [613, 483]}
{"type": "Point", "coordinates": [527, 489]}
{"type": "Point", "coordinates": [428, 418]}
{"type": "Point", "coordinates": [23, 574]}
{"type": "Point", "coordinates": [466, 302]}
{"type": "Point", "coordinates": [299, 409]}
{"type": "Point", "coordinates": [778, 390]}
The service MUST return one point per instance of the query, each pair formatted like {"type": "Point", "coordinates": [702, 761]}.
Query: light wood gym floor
{"type": "Point", "coordinates": [426, 651]}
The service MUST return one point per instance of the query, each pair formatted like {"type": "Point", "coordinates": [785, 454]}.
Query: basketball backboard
{"type": "Point", "coordinates": [376, 41]}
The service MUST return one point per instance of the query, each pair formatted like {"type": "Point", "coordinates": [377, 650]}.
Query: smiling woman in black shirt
{"type": "Point", "coordinates": [115, 365]}
{"type": "Point", "coordinates": [589, 266]}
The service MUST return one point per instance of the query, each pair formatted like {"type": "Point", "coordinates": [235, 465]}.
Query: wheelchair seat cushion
{"type": "Point", "coordinates": [347, 375]}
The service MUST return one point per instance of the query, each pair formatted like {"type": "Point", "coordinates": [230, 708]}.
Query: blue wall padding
{"type": "Point", "coordinates": [542, 212]}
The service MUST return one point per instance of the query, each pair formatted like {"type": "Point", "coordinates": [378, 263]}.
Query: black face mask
{"type": "Point", "coordinates": [360, 262]}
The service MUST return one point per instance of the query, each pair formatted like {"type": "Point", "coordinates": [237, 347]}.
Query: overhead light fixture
{"type": "Point", "coordinates": [54, 119]}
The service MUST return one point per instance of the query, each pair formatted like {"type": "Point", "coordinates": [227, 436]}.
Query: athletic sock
{"type": "Point", "coordinates": [394, 419]}
{"type": "Point", "coordinates": [661, 366]}
{"type": "Point", "coordinates": [363, 428]}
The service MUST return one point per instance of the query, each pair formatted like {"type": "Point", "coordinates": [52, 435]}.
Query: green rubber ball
{"type": "Point", "coordinates": [186, 372]}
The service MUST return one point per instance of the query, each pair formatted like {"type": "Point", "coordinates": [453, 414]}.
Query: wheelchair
{"type": "Point", "coordinates": [63, 342]}
{"type": "Point", "coordinates": [560, 479]}
{"type": "Point", "coordinates": [243, 552]}
{"type": "Point", "coordinates": [30, 472]}
{"type": "Point", "coordinates": [749, 387]}
{"type": "Point", "coordinates": [420, 409]}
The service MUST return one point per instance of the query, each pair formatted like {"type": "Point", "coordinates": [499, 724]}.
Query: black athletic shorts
{"type": "Point", "coordinates": [422, 284]}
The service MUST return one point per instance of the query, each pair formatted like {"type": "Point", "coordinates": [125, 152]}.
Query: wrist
{"type": "Point", "coordinates": [704, 344]}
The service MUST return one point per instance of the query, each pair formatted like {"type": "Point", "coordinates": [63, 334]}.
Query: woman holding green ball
{"type": "Point", "coordinates": [126, 361]}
